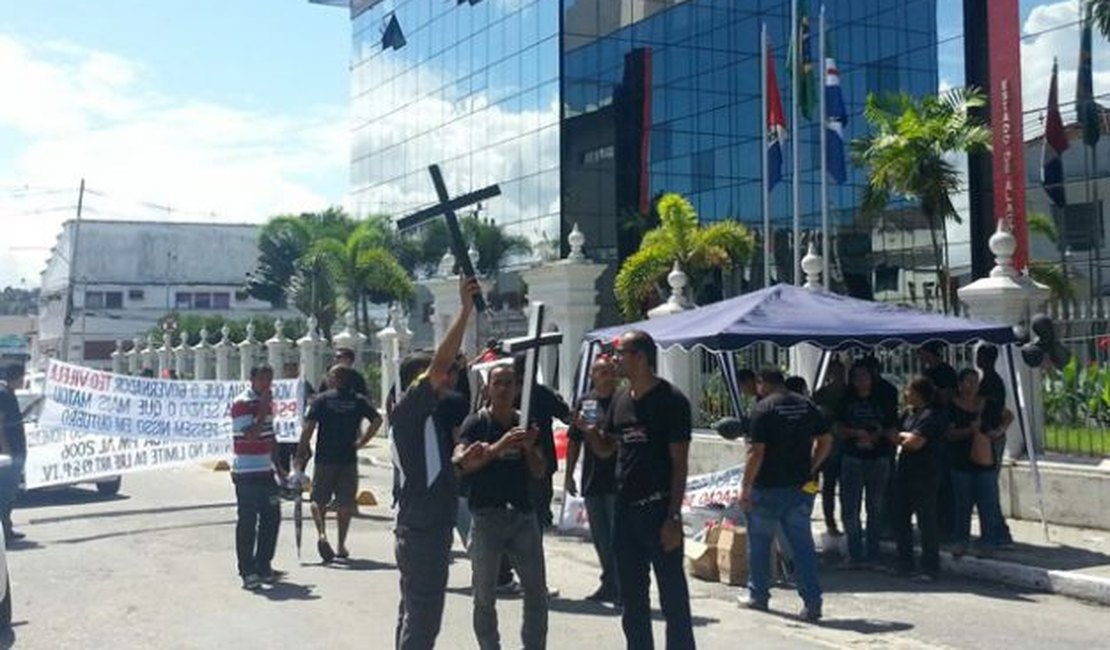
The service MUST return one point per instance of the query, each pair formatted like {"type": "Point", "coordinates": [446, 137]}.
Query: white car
{"type": "Point", "coordinates": [30, 404]}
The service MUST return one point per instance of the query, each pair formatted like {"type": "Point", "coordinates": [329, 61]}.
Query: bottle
{"type": "Point", "coordinates": [589, 412]}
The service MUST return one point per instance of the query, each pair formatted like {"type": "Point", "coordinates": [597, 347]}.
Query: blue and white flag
{"type": "Point", "coordinates": [836, 118]}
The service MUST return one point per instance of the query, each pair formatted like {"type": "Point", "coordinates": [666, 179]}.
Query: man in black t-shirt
{"type": "Point", "coordinates": [937, 370]}
{"type": "Point", "coordinates": [504, 517]}
{"type": "Point", "coordinates": [338, 413]}
{"type": "Point", "coordinates": [648, 427]}
{"type": "Point", "coordinates": [789, 443]}
{"type": "Point", "coordinates": [599, 475]}
{"type": "Point", "coordinates": [865, 426]}
{"type": "Point", "coordinates": [424, 487]}
{"type": "Point", "coordinates": [13, 442]}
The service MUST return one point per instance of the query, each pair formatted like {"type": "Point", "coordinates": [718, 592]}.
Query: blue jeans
{"type": "Point", "coordinates": [790, 509]}
{"type": "Point", "coordinates": [601, 512]}
{"type": "Point", "coordinates": [859, 475]}
{"type": "Point", "coordinates": [639, 551]}
{"type": "Point", "coordinates": [495, 533]}
{"type": "Point", "coordinates": [979, 489]}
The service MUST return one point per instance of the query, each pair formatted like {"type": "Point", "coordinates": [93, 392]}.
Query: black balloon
{"type": "Point", "coordinates": [1032, 355]}
{"type": "Point", "coordinates": [730, 428]}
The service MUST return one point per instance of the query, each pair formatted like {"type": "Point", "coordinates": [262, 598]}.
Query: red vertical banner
{"type": "Point", "coordinates": [1008, 164]}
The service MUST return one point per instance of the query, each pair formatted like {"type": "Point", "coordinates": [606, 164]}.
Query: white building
{"type": "Point", "coordinates": [125, 276]}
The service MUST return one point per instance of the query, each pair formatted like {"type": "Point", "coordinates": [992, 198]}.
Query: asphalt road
{"type": "Point", "coordinates": [154, 568]}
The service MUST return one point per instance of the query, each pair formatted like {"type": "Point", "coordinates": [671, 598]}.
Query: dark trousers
{"type": "Point", "coordinates": [946, 502]}
{"type": "Point", "coordinates": [256, 531]}
{"type": "Point", "coordinates": [639, 551]}
{"type": "Point", "coordinates": [857, 477]}
{"type": "Point", "coordinates": [423, 557]}
{"type": "Point", "coordinates": [9, 490]}
{"type": "Point", "coordinates": [542, 493]}
{"type": "Point", "coordinates": [830, 476]}
{"type": "Point", "coordinates": [916, 496]}
{"type": "Point", "coordinates": [601, 512]}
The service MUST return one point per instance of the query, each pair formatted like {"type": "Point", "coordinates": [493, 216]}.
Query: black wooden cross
{"type": "Point", "coordinates": [531, 344]}
{"type": "Point", "coordinates": [446, 208]}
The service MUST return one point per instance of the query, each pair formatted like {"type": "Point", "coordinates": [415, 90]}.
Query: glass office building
{"type": "Point", "coordinates": [584, 110]}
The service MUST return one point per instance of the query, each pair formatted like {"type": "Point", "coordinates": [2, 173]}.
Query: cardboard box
{"type": "Point", "coordinates": [732, 556]}
{"type": "Point", "coordinates": [701, 560]}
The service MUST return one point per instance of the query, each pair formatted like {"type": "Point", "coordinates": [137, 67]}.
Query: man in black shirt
{"type": "Point", "coordinates": [13, 442]}
{"type": "Point", "coordinates": [546, 406]}
{"type": "Point", "coordinates": [346, 357]}
{"type": "Point", "coordinates": [504, 518]}
{"type": "Point", "coordinates": [920, 448]}
{"type": "Point", "coordinates": [648, 426]}
{"type": "Point", "coordinates": [937, 370]}
{"type": "Point", "coordinates": [338, 413]}
{"type": "Point", "coordinates": [424, 487]}
{"type": "Point", "coordinates": [599, 475]}
{"type": "Point", "coordinates": [789, 443]}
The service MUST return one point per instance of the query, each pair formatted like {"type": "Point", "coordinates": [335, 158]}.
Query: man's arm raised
{"type": "Point", "coordinates": [449, 347]}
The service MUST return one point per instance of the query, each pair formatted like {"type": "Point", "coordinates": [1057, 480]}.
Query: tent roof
{"type": "Point", "coordinates": [787, 315]}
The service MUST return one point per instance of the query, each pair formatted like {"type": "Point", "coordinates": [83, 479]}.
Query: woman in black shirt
{"type": "Point", "coordinates": [917, 477]}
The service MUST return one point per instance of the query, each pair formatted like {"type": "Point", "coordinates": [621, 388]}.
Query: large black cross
{"type": "Point", "coordinates": [446, 208]}
{"type": "Point", "coordinates": [531, 344]}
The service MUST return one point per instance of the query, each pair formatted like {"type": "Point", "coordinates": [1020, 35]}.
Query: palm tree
{"type": "Point", "coordinates": [911, 151]}
{"type": "Point", "coordinates": [1053, 275]}
{"type": "Point", "coordinates": [281, 242]}
{"type": "Point", "coordinates": [489, 238]}
{"type": "Point", "coordinates": [1101, 12]}
{"type": "Point", "coordinates": [700, 250]}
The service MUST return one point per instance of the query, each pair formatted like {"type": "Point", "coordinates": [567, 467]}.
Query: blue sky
{"type": "Point", "coordinates": [222, 111]}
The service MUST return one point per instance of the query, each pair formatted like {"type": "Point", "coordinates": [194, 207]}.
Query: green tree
{"type": "Point", "coordinates": [700, 250]}
{"type": "Point", "coordinates": [910, 154]}
{"type": "Point", "coordinates": [491, 241]}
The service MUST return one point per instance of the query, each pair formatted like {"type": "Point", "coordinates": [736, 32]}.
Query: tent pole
{"type": "Point", "coordinates": [1030, 448]}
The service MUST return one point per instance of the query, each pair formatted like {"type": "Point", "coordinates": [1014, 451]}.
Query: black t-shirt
{"type": "Point", "coordinates": [339, 416]}
{"type": "Point", "coordinates": [959, 451]}
{"type": "Point", "coordinates": [786, 424]}
{"type": "Point", "coordinates": [424, 486]}
{"type": "Point", "coordinates": [546, 406]}
{"type": "Point", "coordinates": [358, 384]}
{"type": "Point", "coordinates": [944, 377]}
{"type": "Point", "coordinates": [505, 480]}
{"type": "Point", "coordinates": [599, 475]}
{"type": "Point", "coordinates": [646, 427]}
{"type": "Point", "coordinates": [13, 424]}
{"type": "Point", "coordinates": [993, 391]}
{"type": "Point", "coordinates": [932, 424]}
{"type": "Point", "coordinates": [872, 414]}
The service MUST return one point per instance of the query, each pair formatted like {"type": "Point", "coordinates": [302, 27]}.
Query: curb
{"type": "Point", "coordinates": [1063, 583]}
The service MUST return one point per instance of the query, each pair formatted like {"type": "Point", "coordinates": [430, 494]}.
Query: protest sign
{"type": "Point", "coordinates": [60, 458]}
{"type": "Point", "coordinates": [82, 400]}
{"type": "Point", "coordinates": [716, 489]}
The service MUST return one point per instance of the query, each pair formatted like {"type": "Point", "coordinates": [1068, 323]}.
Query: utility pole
{"type": "Point", "coordinates": [67, 322]}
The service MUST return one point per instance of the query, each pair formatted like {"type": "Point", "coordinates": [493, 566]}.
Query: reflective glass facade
{"type": "Point", "coordinates": [583, 110]}
{"type": "Point", "coordinates": [474, 88]}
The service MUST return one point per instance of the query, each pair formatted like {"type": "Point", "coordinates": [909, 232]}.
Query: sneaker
{"type": "Point", "coordinates": [511, 588]}
{"type": "Point", "coordinates": [747, 602]}
{"type": "Point", "coordinates": [810, 613]}
{"type": "Point", "coordinates": [325, 550]}
{"type": "Point", "coordinates": [251, 582]}
{"type": "Point", "coordinates": [272, 576]}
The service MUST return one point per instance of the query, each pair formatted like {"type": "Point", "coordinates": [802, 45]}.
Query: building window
{"type": "Point", "coordinates": [202, 301]}
{"type": "Point", "coordinates": [113, 299]}
{"type": "Point", "coordinates": [135, 294]}
{"type": "Point", "coordinates": [94, 300]}
{"type": "Point", "coordinates": [184, 301]}
{"type": "Point", "coordinates": [221, 301]}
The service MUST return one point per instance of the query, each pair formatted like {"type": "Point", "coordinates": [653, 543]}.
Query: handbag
{"type": "Point", "coordinates": [982, 452]}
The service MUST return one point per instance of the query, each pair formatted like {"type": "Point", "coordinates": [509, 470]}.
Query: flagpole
{"type": "Point", "coordinates": [821, 54]}
{"type": "Point", "coordinates": [795, 86]}
{"type": "Point", "coordinates": [767, 239]}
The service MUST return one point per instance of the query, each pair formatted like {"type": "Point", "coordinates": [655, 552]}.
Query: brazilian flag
{"type": "Point", "coordinates": [801, 55]}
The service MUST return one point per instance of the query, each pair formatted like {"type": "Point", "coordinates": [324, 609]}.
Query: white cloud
{"type": "Point", "coordinates": [72, 112]}
{"type": "Point", "coordinates": [1057, 36]}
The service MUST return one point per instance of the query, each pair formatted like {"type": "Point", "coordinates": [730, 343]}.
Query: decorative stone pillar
{"type": "Point", "coordinates": [444, 288]}
{"type": "Point", "coordinates": [805, 359]}
{"type": "Point", "coordinates": [394, 339]}
{"type": "Point", "coordinates": [310, 346]}
{"type": "Point", "coordinates": [165, 353]}
{"type": "Point", "coordinates": [248, 350]}
{"type": "Point", "coordinates": [567, 288]}
{"type": "Point", "coordinates": [678, 366]}
{"type": "Point", "coordinates": [134, 357]}
{"type": "Point", "coordinates": [118, 358]}
{"type": "Point", "coordinates": [276, 348]}
{"type": "Point", "coordinates": [1009, 297]}
{"type": "Point", "coordinates": [202, 352]}
{"type": "Point", "coordinates": [222, 351]}
{"type": "Point", "coordinates": [148, 355]}
{"type": "Point", "coordinates": [351, 338]}
{"type": "Point", "coordinates": [181, 356]}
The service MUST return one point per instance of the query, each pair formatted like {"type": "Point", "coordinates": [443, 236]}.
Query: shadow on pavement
{"type": "Point", "coordinates": [583, 607]}
{"type": "Point", "coordinates": [358, 565]}
{"type": "Point", "coordinates": [864, 625]}
{"type": "Point", "coordinates": [841, 581]}
{"type": "Point", "coordinates": [1059, 558]}
{"type": "Point", "coordinates": [130, 513]}
{"type": "Point", "coordinates": [24, 545]}
{"type": "Point", "coordinates": [284, 591]}
{"type": "Point", "coordinates": [65, 496]}
{"type": "Point", "coordinates": [143, 531]}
